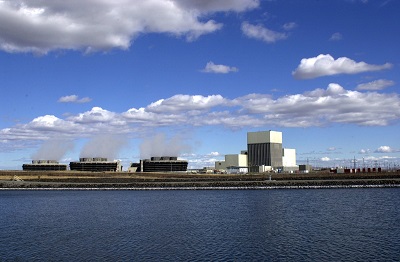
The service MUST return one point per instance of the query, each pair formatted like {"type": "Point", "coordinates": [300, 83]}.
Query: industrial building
{"type": "Point", "coordinates": [305, 168]}
{"type": "Point", "coordinates": [160, 164]}
{"type": "Point", "coordinates": [44, 165]}
{"type": "Point", "coordinates": [264, 149]}
{"type": "Point", "coordinates": [264, 154]}
{"type": "Point", "coordinates": [233, 164]}
{"type": "Point", "coordinates": [96, 164]}
{"type": "Point", "coordinates": [289, 160]}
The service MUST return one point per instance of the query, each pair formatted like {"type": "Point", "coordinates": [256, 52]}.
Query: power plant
{"type": "Point", "coordinates": [264, 154]}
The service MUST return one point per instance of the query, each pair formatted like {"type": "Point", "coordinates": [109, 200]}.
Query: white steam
{"type": "Point", "coordinates": [104, 146]}
{"type": "Point", "coordinates": [53, 150]}
{"type": "Point", "coordinates": [159, 145]}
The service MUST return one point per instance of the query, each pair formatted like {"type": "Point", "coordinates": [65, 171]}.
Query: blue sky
{"type": "Point", "coordinates": [130, 79]}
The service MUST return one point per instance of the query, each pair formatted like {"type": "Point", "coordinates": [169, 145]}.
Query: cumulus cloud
{"type": "Point", "coordinates": [289, 26]}
{"type": "Point", "coordinates": [184, 103]}
{"type": "Point", "coordinates": [364, 151]}
{"type": "Point", "coordinates": [325, 159]}
{"type": "Point", "coordinates": [97, 115]}
{"type": "Point", "coordinates": [325, 65]}
{"type": "Point", "coordinates": [385, 149]}
{"type": "Point", "coordinates": [262, 33]}
{"type": "Point", "coordinates": [319, 107]}
{"type": "Point", "coordinates": [217, 6]}
{"type": "Point", "coordinates": [218, 69]}
{"type": "Point", "coordinates": [41, 128]}
{"type": "Point", "coordinates": [336, 37]}
{"type": "Point", "coordinates": [74, 99]}
{"type": "Point", "coordinates": [375, 85]}
{"type": "Point", "coordinates": [198, 161]}
{"type": "Point", "coordinates": [46, 25]}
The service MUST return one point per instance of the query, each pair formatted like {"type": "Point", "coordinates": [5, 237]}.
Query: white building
{"type": "Point", "coordinates": [264, 154]}
{"type": "Point", "coordinates": [234, 163]}
{"type": "Point", "coordinates": [289, 160]}
{"type": "Point", "coordinates": [289, 157]}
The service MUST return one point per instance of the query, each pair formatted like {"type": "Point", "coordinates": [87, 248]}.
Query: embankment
{"type": "Point", "coordinates": [123, 180]}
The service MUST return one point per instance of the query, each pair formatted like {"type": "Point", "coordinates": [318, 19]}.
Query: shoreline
{"type": "Point", "coordinates": [194, 188]}
{"type": "Point", "coordinates": [178, 181]}
{"type": "Point", "coordinates": [263, 185]}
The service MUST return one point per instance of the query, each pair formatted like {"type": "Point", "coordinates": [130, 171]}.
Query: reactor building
{"type": "Point", "coordinates": [264, 153]}
{"type": "Point", "coordinates": [95, 164]}
{"type": "Point", "coordinates": [264, 148]}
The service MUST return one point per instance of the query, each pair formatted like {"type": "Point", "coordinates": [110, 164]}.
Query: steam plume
{"type": "Point", "coordinates": [53, 150]}
{"type": "Point", "coordinates": [104, 146]}
{"type": "Point", "coordinates": [159, 145]}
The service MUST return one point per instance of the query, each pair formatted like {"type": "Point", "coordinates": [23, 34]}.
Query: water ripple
{"type": "Point", "coordinates": [233, 225]}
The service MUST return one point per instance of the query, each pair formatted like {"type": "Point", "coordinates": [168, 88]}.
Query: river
{"type": "Point", "coordinates": [201, 225]}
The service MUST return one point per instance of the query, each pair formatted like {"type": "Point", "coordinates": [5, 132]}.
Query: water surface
{"type": "Point", "coordinates": [199, 225]}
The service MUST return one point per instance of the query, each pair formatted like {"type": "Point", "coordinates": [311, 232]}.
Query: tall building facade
{"type": "Point", "coordinates": [264, 148]}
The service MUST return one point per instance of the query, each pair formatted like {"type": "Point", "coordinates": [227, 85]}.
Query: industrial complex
{"type": "Point", "coordinates": [264, 153]}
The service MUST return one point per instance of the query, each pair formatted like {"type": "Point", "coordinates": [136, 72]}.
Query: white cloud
{"type": "Point", "coordinates": [41, 128]}
{"type": "Point", "coordinates": [325, 65]}
{"type": "Point", "coordinates": [74, 99]}
{"type": "Point", "coordinates": [375, 85]}
{"type": "Point", "coordinates": [319, 107]}
{"type": "Point", "coordinates": [45, 25]}
{"type": "Point", "coordinates": [262, 33]}
{"type": "Point", "coordinates": [198, 161]}
{"type": "Point", "coordinates": [218, 69]}
{"type": "Point", "coordinates": [221, 5]}
{"type": "Point", "coordinates": [336, 37]}
{"type": "Point", "coordinates": [98, 116]}
{"type": "Point", "coordinates": [385, 149]}
{"type": "Point", "coordinates": [184, 103]}
{"type": "Point", "coordinates": [289, 26]}
{"type": "Point", "coordinates": [364, 151]}
{"type": "Point", "coordinates": [325, 159]}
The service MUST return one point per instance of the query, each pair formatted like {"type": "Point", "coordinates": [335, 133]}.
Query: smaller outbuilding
{"type": "Point", "coordinates": [233, 164]}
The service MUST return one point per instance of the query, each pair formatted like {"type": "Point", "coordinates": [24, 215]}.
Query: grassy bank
{"type": "Point", "coordinates": [71, 179]}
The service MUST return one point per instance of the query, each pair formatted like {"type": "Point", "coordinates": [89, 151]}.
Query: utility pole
{"type": "Point", "coordinates": [354, 161]}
